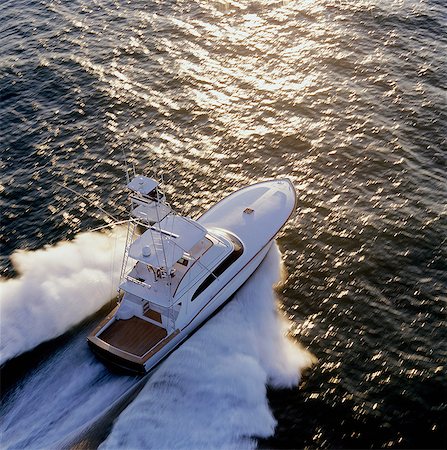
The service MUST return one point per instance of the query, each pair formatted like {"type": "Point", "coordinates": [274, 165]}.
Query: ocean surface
{"type": "Point", "coordinates": [347, 99]}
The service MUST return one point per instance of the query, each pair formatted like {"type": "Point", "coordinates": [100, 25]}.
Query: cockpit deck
{"type": "Point", "coordinates": [135, 336]}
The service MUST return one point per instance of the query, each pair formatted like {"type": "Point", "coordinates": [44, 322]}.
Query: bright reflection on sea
{"type": "Point", "coordinates": [240, 74]}
{"type": "Point", "coordinates": [344, 98]}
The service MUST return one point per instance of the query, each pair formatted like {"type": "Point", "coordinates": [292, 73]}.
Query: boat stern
{"type": "Point", "coordinates": [134, 344]}
{"type": "Point", "coordinates": [111, 358]}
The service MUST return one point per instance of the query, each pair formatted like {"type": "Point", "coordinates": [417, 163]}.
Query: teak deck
{"type": "Point", "coordinates": [134, 335]}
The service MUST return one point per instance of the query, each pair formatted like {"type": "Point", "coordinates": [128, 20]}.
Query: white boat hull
{"type": "Point", "coordinates": [254, 215]}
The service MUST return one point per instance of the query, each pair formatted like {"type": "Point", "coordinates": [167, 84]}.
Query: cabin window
{"type": "Point", "coordinates": [222, 267]}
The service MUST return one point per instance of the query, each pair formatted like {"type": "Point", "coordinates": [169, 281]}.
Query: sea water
{"type": "Point", "coordinates": [347, 99]}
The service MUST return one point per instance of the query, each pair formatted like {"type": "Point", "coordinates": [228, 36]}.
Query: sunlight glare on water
{"type": "Point", "coordinates": [347, 99]}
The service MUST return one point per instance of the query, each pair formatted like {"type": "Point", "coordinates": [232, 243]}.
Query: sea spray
{"type": "Point", "coordinates": [211, 392]}
{"type": "Point", "coordinates": [57, 287]}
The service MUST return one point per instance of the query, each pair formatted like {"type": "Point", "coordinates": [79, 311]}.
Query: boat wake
{"type": "Point", "coordinates": [57, 287]}
{"type": "Point", "coordinates": [58, 401]}
{"type": "Point", "coordinates": [211, 392]}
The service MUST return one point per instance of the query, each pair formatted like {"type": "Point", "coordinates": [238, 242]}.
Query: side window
{"type": "Point", "coordinates": [222, 267]}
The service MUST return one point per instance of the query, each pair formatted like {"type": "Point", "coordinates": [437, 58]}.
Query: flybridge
{"type": "Point", "coordinates": [160, 248]}
{"type": "Point", "coordinates": [168, 236]}
{"type": "Point", "coordinates": [164, 243]}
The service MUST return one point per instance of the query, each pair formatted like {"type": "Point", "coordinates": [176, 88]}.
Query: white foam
{"type": "Point", "coordinates": [59, 398]}
{"type": "Point", "coordinates": [57, 287]}
{"type": "Point", "coordinates": [211, 393]}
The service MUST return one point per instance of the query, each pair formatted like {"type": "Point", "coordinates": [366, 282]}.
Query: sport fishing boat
{"type": "Point", "coordinates": [178, 271]}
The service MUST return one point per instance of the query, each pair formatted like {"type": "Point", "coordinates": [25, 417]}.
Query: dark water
{"type": "Point", "coordinates": [348, 99]}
